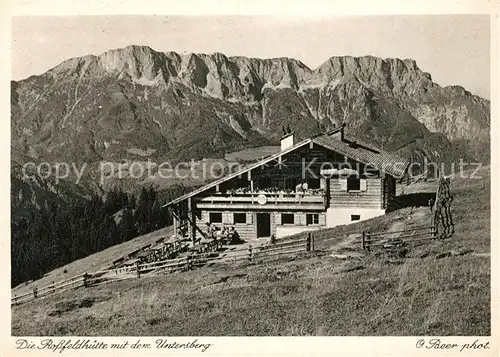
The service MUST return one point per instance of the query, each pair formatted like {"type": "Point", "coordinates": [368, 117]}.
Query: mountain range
{"type": "Point", "coordinates": [135, 103]}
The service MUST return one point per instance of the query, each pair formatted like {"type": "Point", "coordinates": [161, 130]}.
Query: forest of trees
{"type": "Point", "coordinates": [56, 233]}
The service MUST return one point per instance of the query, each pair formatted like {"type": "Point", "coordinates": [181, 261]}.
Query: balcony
{"type": "Point", "coordinates": [264, 201]}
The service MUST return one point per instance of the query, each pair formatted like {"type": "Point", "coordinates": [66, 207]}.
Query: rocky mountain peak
{"type": "Point", "coordinates": [175, 104]}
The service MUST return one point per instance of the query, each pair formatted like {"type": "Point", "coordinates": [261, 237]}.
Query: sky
{"type": "Point", "coordinates": [454, 49]}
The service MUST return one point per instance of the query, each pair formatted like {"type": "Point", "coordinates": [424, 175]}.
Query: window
{"type": "Point", "coordinates": [264, 182]}
{"type": "Point", "coordinates": [240, 218]}
{"type": "Point", "coordinates": [355, 217]}
{"type": "Point", "coordinates": [312, 218]}
{"type": "Point", "coordinates": [215, 217]}
{"type": "Point", "coordinates": [289, 183]}
{"type": "Point", "coordinates": [313, 183]}
{"type": "Point", "coordinates": [287, 218]}
{"type": "Point", "coordinates": [353, 183]}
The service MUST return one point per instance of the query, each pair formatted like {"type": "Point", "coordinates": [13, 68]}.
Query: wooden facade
{"type": "Point", "coordinates": [310, 185]}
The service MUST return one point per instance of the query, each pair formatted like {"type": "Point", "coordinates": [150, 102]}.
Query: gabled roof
{"type": "Point", "coordinates": [240, 172]}
{"type": "Point", "coordinates": [381, 160]}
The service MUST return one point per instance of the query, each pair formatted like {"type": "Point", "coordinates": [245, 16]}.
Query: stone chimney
{"type": "Point", "coordinates": [337, 133]}
{"type": "Point", "coordinates": [287, 140]}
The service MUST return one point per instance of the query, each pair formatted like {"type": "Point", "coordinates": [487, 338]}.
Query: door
{"type": "Point", "coordinates": [263, 225]}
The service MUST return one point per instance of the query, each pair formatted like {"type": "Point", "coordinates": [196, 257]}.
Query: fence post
{"type": "Point", "coordinates": [435, 224]}
{"type": "Point", "coordinates": [189, 262]}
{"type": "Point", "coordinates": [85, 280]}
{"type": "Point", "coordinates": [313, 248]}
{"type": "Point", "coordinates": [308, 242]}
{"type": "Point", "coordinates": [368, 241]}
{"type": "Point", "coordinates": [53, 286]}
{"type": "Point", "coordinates": [364, 241]}
{"type": "Point", "coordinates": [35, 292]}
{"type": "Point", "coordinates": [138, 269]}
{"type": "Point", "coordinates": [250, 252]}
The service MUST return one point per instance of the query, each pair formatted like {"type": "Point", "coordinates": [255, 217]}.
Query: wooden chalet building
{"type": "Point", "coordinates": [319, 182]}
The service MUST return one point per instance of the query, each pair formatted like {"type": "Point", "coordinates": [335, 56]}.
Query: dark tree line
{"type": "Point", "coordinates": [58, 233]}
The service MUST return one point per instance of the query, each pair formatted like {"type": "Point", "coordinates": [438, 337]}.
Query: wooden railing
{"type": "Point", "coordinates": [370, 240]}
{"type": "Point", "coordinates": [253, 253]}
{"type": "Point", "coordinates": [188, 262]}
{"type": "Point", "coordinates": [304, 242]}
{"type": "Point", "coordinates": [59, 287]}
{"type": "Point", "coordinates": [268, 200]}
{"type": "Point", "coordinates": [441, 226]}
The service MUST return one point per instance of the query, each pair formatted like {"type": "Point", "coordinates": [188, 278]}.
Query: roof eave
{"type": "Point", "coordinates": [233, 175]}
{"type": "Point", "coordinates": [382, 169]}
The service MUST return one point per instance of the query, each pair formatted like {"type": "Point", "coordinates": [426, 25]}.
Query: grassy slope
{"type": "Point", "coordinates": [95, 261]}
{"type": "Point", "coordinates": [428, 293]}
{"type": "Point", "coordinates": [102, 259]}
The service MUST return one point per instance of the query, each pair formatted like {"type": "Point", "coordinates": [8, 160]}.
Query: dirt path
{"type": "Point", "coordinates": [346, 247]}
{"type": "Point", "coordinates": [405, 222]}
{"type": "Point", "coordinates": [484, 255]}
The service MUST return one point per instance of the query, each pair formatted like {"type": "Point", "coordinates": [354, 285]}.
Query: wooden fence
{"type": "Point", "coordinates": [59, 287]}
{"type": "Point", "coordinates": [442, 225]}
{"type": "Point", "coordinates": [188, 262]}
{"type": "Point", "coordinates": [387, 240]}
{"type": "Point", "coordinates": [393, 242]}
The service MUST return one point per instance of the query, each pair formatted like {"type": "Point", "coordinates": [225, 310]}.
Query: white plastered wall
{"type": "Point", "coordinates": [283, 231]}
{"type": "Point", "coordinates": [336, 216]}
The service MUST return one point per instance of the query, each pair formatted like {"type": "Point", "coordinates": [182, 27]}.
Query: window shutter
{"type": "Point", "coordinates": [322, 219]}
{"type": "Point", "coordinates": [300, 219]}
{"type": "Point", "coordinates": [227, 218]}
{"type": "Point", "coordinates": [278, 219]}
{"type": "Point", "coordinates": [249, 218]}
{"type": "Point", "coordinates": [322, 183]}
{"type": "Point", "coordinates": [362, 184]}
{"type": "Point", "coordinates": [343, 184]}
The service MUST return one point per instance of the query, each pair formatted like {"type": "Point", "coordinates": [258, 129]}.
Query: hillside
{"type": "Point", "coordinates": [94, 262]}
{"type": "Point", "coordinates": [137, 103]}
{"type": "Point", "coordinates": [440, 288]}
